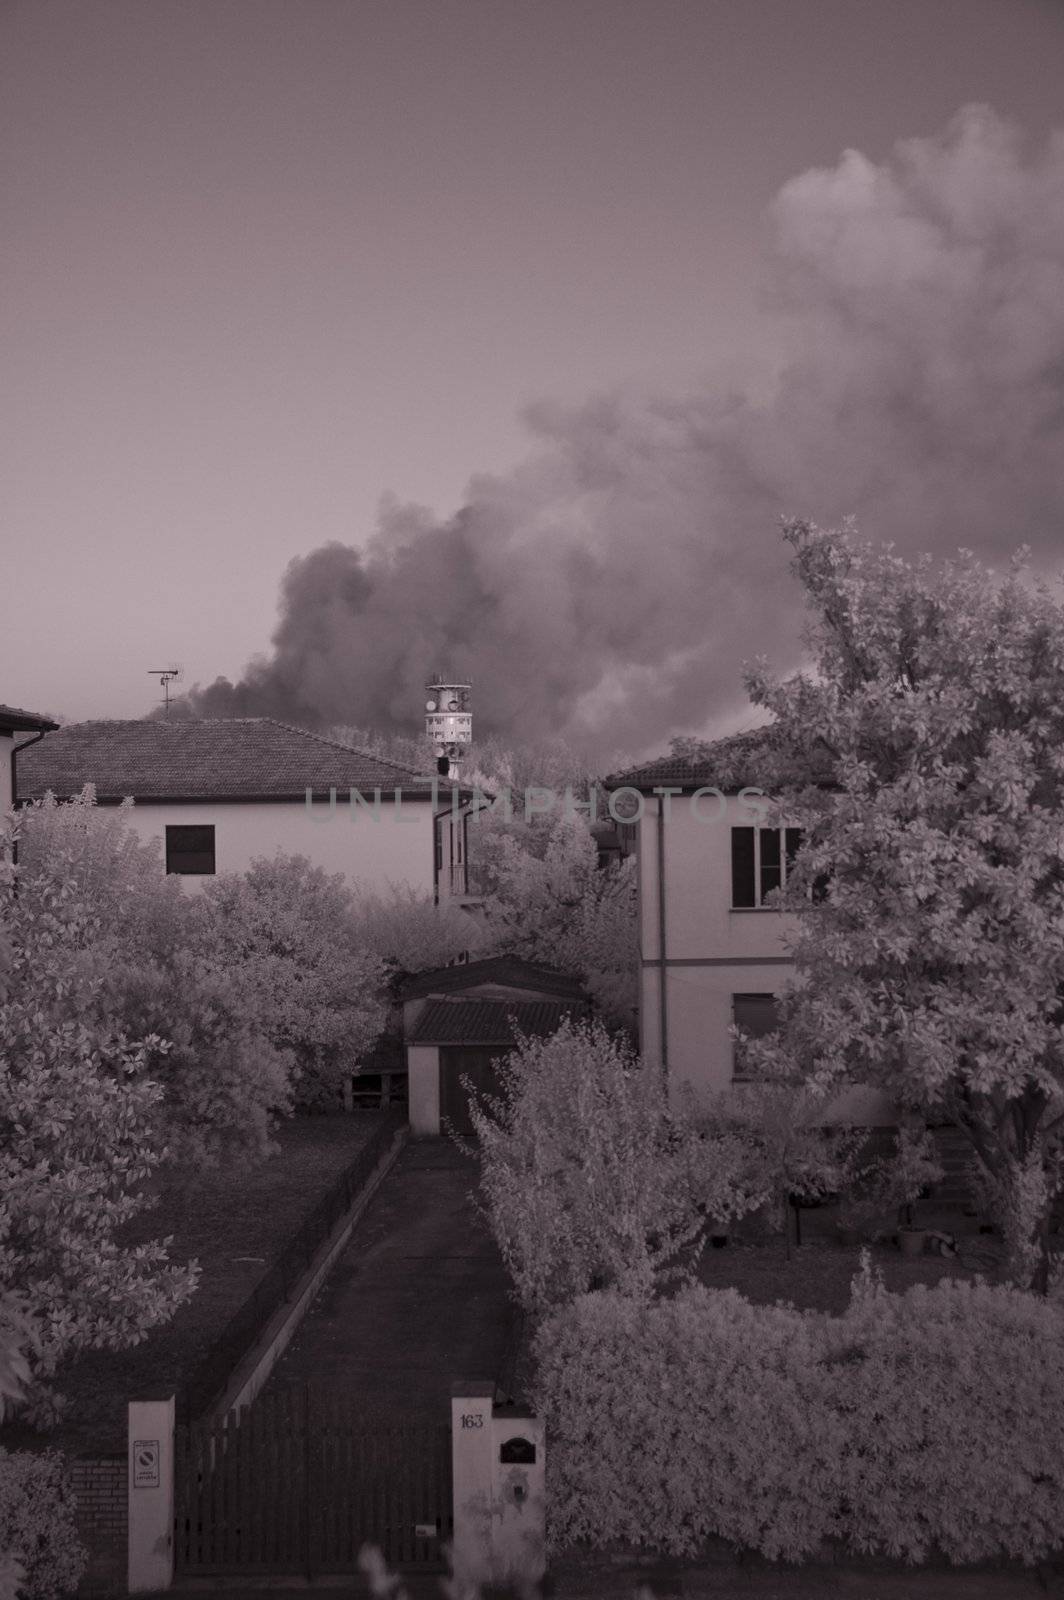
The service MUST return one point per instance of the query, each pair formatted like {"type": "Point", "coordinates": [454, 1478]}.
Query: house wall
{"type": "Point", "coordinates": [375, 850]}
{"type": "Point", "coordinates": [7, 743]}
{"type": "Point", "coordinates": [423, 1089]}
{"type": "Point", "coordinates": [710, 951]}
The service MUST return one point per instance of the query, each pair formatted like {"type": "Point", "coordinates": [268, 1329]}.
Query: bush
{"type": "Point", "coordinates": [913, 1424]}
{"type": "Point", "coordinates": [38, 1523]}
{"type": "Point", "coordinates": [585, 1178]}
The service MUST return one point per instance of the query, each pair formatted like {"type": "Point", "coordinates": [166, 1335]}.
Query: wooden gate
{"type": "Point", "coordinates": [300, 1481]}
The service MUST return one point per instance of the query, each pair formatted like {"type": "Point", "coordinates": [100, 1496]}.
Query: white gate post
{"type": "Point", "coordinates": [472, 1468]}
{"type": "Point", "coordinates": [151, 1495]}
{"type": "Point", "coordinates": [518, 1524]}
{"type": "Point", "coordinates": [499, 1491]}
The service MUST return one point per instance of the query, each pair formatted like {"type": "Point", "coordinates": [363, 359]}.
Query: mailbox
{"type": "Point", "coordinates": [517, 1452]}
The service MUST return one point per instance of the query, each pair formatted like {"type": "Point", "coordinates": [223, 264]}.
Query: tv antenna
{"type": "Point", "coordinates": [166, 676]}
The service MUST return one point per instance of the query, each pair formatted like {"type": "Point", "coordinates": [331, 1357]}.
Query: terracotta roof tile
{"type": "Point", "coordinates": [513, 971]}
{"type": "Point", "coordinates": [228, 759]}
{"type": "Point", "coordinates": [490, 1021]}
{"type": "Point", "coordinates": [742, 760]}
{"type": "Point", "coordinates": [14, 720]}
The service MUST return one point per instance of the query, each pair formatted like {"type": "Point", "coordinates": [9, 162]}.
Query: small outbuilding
{"type": "Point", "coordinates": [458, 1020]}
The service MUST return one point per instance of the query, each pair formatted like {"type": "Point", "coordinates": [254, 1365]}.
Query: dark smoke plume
{"type": "Point", "coordinates": [610, 587]}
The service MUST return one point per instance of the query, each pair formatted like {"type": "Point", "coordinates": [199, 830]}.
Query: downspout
{"type": "Point", "coordinates": [662, 1003]}
{"type": "Point", "coordinates": [15, 748]}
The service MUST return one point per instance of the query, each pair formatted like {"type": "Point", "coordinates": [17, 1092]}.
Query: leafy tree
{"type": "Point", "coordinates": [788, 1152]}
{"type": "Point", "coordinates": [409, 933]}
{"type": "Point", "coordinates": [546, 898]}
{"type": "Point", "coordinates": [79, 1136]}
{"type": "Point", "coordinates": [584, 1174]}
{"type": "Point", "coordinates": [142, 956]}
{"type": "Point", "coordinates": [288, 937]}
{"type": "Point", "coordinates": [931, 962]}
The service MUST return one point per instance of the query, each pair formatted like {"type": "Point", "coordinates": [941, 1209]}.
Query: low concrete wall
{"type": "Point", "coordinates": [103, 1508]}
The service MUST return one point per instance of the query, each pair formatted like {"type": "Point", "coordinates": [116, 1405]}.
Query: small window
{"type": "Point", "coordinates": [755, 1015]}
{"type": "Point", "coordinates": [190, 849]}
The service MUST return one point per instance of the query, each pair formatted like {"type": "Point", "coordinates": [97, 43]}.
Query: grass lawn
{"type": "Point", "coordinates": [817, 1275]}
{"type": "Point", "coordinates": [235, 1222]}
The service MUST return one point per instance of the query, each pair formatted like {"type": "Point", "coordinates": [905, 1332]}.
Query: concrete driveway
{"type": "Point", "coordinates": [417, 1299]}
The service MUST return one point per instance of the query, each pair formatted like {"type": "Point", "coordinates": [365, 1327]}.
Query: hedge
{"type": "Point", "coordinates": [916, 1425]}
{"type": "Point", "coordinates": [38, 1523]}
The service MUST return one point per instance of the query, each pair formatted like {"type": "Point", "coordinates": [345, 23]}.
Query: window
{"type": "Point", "coordinates": [756, 1016]}
{"type": "Point", "coordinates": [190, 849]}
{"type": "Point", "coordinates": [761, 860]}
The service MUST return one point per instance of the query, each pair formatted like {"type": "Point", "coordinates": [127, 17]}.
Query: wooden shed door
{"type": "Point", "coordinates": [456, 1062]}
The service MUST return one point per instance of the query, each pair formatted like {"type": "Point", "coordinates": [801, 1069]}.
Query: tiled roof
{"type": "Point", "coordinates": [490, 1021]}
{"type": "Point", "coordinates": [742, 760]}
{"type": "Point", "coordinates": [245, 758]}
{"type": "Point", "coordinates": [513, 971]}
{"type": "Point", "coordinates": [15, 720]}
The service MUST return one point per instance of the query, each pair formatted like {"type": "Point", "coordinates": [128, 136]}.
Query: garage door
{"type": "Point", "coordinates": [465, 1060]}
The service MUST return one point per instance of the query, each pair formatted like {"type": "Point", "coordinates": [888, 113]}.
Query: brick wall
{"type": "Point", "coordinates": [100, 1485]}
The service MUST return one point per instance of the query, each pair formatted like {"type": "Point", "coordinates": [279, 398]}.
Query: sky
{"type": "Point", "coordinates": [349, 340]}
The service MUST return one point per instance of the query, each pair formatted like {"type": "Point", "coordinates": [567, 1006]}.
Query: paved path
{"type": "Point", "coordinates": [417, 1299]}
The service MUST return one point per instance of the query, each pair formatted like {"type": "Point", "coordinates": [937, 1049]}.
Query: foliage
{"type": "Point", "coordinates": [222, 1081]}
{"type": "Point", "coordinates": [933, 965]}
{"type": "Point", "coordinates": [287, 936]}
{"type": "Point", "coordinates": [584, 1177]}
{"type": "Point", "coordinates": [79, 1134]}
{"type": "Point", "coordinates": [38, 1524]}
{"type": "Point", "coordinates": [409, 933]}
{"type": "Point", "coordinates": [883, 1190]}
{"type": "Point", "coordinates": [140, 955]}
{"type": "Point", "coordinates": [901, 1428]}
{"type": "Point", "coordinates": [548, 900]}
{"type": "Point", "coordinates": [787, 1148]}
{"type": "Point", "coordinates": [15, 1336]}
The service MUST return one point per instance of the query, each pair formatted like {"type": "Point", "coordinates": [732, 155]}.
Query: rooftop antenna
{"type": "Point", "coordinates": [166, 676]}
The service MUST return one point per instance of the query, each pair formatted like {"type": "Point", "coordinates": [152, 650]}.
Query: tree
{"type": "Point", "coordinates": [788, 1153]}
{"type": "Point", "coordinates": [930, 961]}
{"type": "Point", "coordinates": [408, 932]}
{"type": "Point", "coordinates": [142, 957]}
{"type": "Point", "coordinates": [288, 937]}
{"type": "Point", "coordinates": [79, 1136]}
{"type": "Point", "coordinates": [546, 898]}
{"type": "Point", "coordinates": [584, 1174]}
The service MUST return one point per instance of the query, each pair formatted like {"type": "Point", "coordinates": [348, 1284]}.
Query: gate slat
{"type": "Point", "coordinates": [301, 1480]}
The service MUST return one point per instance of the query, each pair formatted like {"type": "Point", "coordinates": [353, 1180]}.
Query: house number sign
{"type": "Point", "coordinates": [472, 1419]}
{"type": "Point", "coordinates": [145, 1463]}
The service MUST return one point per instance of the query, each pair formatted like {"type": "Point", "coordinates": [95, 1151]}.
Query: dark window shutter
{"type": "Point", "coordinates": [755, 1016]}
{"type": "Point", "coordinates": [771, 865]}
{"type": "Point", "coordinates": [792, 843]}
{"type": "Point", "coordinates": [742, 867]}
{"type": "Point", "coordinates": [190, 849]}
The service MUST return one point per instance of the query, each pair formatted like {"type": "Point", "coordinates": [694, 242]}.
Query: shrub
{"type": "Point", "coordinates": [584, 1175]}
{"type": "Point", "coordinates": [926, 1422]}
{"type": "Point", "coordinates": [38, 1523]}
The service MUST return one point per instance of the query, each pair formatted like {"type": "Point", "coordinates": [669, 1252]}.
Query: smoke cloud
{"type": "Point", "coordinates": [610, 588]}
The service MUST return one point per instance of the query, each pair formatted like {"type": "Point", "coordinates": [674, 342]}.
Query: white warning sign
{"type": "Point", "coordinates": [145, 1463]}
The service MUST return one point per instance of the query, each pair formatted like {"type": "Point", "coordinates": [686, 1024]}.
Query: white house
{"type": "Point", "coordinates": [14, 722]}
{"type": "Point", "coordinates": [713, 952]}
{"type": "Point", "coordinates": [217, 794]}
